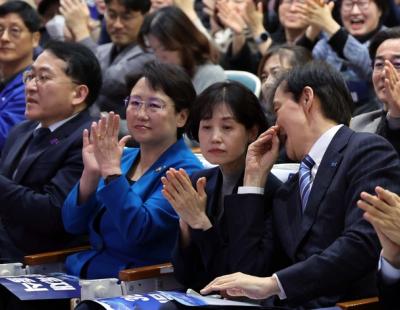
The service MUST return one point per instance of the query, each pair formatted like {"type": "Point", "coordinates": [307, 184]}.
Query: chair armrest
{"type": "Point", "coordinates": [52, 257]}
{"type": "Point", "coordinates": [145, 272]}
{"type": "Point", "coordinates": [361, 304]}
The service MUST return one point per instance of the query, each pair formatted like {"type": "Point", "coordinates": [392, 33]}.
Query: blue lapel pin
{"type": "Point", "coordinates": [333, 164]}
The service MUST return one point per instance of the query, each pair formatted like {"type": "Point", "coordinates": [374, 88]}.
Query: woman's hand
{"type": "Point", "coordinates": [190, 204]}
{"type": "Point", "coordinates": [106, 147]}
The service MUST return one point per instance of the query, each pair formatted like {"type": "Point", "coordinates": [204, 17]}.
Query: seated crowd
{"type": "Point", "coordinates": [101, 104]}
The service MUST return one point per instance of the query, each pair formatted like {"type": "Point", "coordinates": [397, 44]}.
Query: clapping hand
{"type": "Point", "coordinates": [189, 203]}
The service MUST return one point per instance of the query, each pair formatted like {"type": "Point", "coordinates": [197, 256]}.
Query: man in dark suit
{"type": "Point", "coordinates": [41, 159]}
{"type": "Point", "coordinates": [324, 251]}
{"type": "Point", "coordinates": [384, 49]}
{"type": "Point", "coordinates": [382, 210]}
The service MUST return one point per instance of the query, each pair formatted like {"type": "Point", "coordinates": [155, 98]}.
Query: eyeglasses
{"type": "Point", "coordinates": [347, 5]}
{"type": "Point", "coordinates": [154, 105]}
{"type": "Point", "coordinates": [41, 78]}
{"type": "Point", "coordinates": [125, 18]}
{"type": "Point", "coordinates": [14, 32]}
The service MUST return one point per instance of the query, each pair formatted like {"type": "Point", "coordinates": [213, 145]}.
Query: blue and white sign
{"type": "Point", "coordinates": [35, 287]}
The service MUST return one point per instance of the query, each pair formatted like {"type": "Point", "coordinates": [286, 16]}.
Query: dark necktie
{"type": "Point", "coordinates": [39, 137]}
{"type": "Point", "coordinates": [305, 179]}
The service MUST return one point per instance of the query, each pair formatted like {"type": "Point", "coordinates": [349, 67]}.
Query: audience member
{"type": "Point", "coordinates": [120, 59]}
{"type": "Point", "coordinates": [278, 59]}
{"type": "Point", "coordinates": [19, 36]}
{"type": "Point", "coordinates": [118, 200]}
{"type": "Point", "coordinates": [385, 52]}
{"type": "Point", "coordinates": [346, 48]}
{"type": "Point", "coordinates": [324, 251]}
{"type": "Point", "coordinates": [41, 159]}
{"type": "Point", "coordinates": [187, 6]}
{"type": "Point", "coordinates": [382, 210]}
{"type": "Point", "coordinates": [225, 119]}
{"type": "Point", "coordinates": [162, 31]}
{"type": "Point", "coordinates": [241, 54]}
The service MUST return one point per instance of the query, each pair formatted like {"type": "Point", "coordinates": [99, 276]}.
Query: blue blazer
{"type": "Point", "coordinates": [214, 252]}
{"type": "Point", "coordinates": [129, 225]}
{"type": "Point", "coordinates": [31, 199]}
{"type": "Point", "coordinates": [12, 106]}
{"type": "Point", "coordinates": [329, 253]}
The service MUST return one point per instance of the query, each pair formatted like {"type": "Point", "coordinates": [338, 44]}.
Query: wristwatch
{"type": "Point", "coordinates": [263, 37]}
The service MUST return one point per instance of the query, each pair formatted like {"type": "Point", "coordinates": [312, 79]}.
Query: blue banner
{"type": "Point", "coordinates": [35, 287]}
{"type": "Point", "coordinates": [161, 300]}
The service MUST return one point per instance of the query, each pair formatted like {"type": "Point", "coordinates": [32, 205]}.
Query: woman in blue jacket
{"type": "Point", "coordinates": [118, 200]}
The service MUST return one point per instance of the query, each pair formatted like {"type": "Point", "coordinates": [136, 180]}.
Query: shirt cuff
{"type": "Point", "coordinates": [250, 190]}
{"type": "Point", "coordinates": [282, 294]}
{"type": "Point", "coordinates": [393, 122]}
{"type": "Point", "coordinates": [390, 274]}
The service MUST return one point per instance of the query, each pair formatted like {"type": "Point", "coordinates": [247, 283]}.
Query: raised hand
{"type": "Point", "coordinates": [319, 15]}
{"type": "Point", "coordinates": [383, 211]}
{"type": "Point", "coordinates": [77, 17]}
{"type": "Point", "coordinates": [392, 88]}
{"type": "Point", "coordinates": [190, 204]}
{"type": "Point", "coordinates": [106, 147]}
{"type": "Point", "coordinates": [261, 156]}
{"type": "Point", "coordinates": [230, 18]}
{"type": "Point", "coordinates": [240, 284]}
{"type": "Point", "coordinates": [254, 16]}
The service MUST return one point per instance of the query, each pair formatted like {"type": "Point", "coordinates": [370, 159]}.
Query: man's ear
{"type": "Point", "coordinates": [80, 94]}
{"type": "Point", "coordinates": [307, 98]}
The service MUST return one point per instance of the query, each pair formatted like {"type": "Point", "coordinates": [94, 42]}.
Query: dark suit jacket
{"type": "Point", "coordinates": [389, 295]}
{"type": "Point", "coordinates": [214, 252]}
{"type": "Point", "coordinates": [31, 201]}
{"type": "Point", "coordinates": [330, 252]}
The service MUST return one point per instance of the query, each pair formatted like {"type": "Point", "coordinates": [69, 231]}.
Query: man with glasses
{"type": "Point", "coordinates": [42, 157]}
{"type": "Point", "coordinates": [122, 57]}
{"type": "Point", "coordinates": [385, 52]}
{"type": "Point", "coordinates": [19, 36]}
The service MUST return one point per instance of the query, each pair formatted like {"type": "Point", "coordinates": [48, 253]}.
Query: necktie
{"type": "Point", "coordinates": [305, 179]}
{"type": "Point", "coordinates": [39, 135]}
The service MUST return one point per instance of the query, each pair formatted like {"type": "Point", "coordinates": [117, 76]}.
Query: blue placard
{"type": "Point", "coordinates": [162, 300]}
{"type": "Point", "coordinates": [35, 287]}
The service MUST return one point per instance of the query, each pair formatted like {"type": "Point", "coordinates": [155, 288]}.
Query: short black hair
{"type": "Point", "coordinates": [328, 85]}
{"type": "Point", "coordinates": [142, 6]}
{"type": "Point", "coordinates": [173, 81]}
{"type": "Point", "coordinates": [82, 65]}
{"type": "Point", "coordinates": [243, 103]}
{"type": "Point", "coordinates": [380, 37]}
{"type": "Point", "coordinates": [27, 13]}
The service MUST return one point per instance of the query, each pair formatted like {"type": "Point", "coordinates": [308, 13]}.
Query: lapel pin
{"type": "Point", "coordinates": [159, 169]}
{"type": "Point", "coordinates": [333, 164]}
{"type": "Point", "coordinates": [54, 141]}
